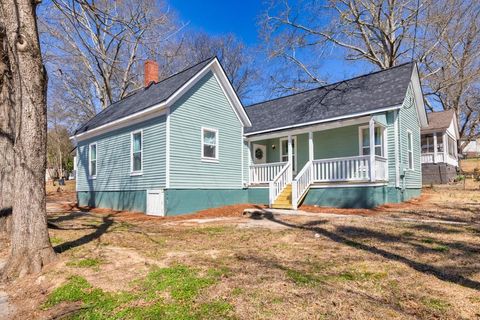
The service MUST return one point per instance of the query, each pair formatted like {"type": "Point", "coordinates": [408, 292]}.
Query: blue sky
{"type": "Point", "coordinates": [218, 17]}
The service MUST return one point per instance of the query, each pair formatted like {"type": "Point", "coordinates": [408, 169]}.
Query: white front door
{"type": "Point", "coordinates": [259, 153]}
{"type": "Point", "coordinates": [284, 152]}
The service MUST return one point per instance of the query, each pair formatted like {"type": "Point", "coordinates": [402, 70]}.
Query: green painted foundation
{"type": "Point", "coordinates": [358, 197]}
{"type": "Point", "coordinates": [116, 200]}
{"type": "Point", "coordinates": [182, 201]}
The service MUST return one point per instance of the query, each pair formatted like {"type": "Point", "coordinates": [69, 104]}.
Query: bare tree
{"type": "Point", "coordinates": [7, 118]}
{"type": "Point", "coordinates": [376, 31]}
{"type": "Point", "coordinates": [59, 149]}
{"type": "Point", "coordinates": [197, 46]}
{"type": "Point", "coordinates": [441, 35]}
{"type": "Point", "coordinates": [94, 49]}
{"type": "Point", "coordinates": [30, 244]}
{"type": "Point", "coordinates": [451, 72]}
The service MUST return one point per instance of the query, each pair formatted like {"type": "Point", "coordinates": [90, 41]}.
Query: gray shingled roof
{"type": "Point", "coordinates": [381, 89]}
{"type": "Point", "coordinates": [439, 120]}
{"type": "Point", "coordinates": [143, 98]}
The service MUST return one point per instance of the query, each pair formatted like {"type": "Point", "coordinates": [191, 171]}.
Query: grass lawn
{"type": "Point", "coordinates": [419, 260]}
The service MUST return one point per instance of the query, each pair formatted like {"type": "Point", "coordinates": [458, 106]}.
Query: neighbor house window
{"type": "Point", "coordinates": [439, 142]}
{"type": "Point", "coordinates": [427, 143]}
{"type": "Point", "coordinates": [209, 144]}
{"type": "Point", "coordinates": [410, 149]}
{"type": "Point", "coordinates": [365, 141]}
{"type": "Point", "coordinates": [92, 160]}
{"type": "Point", "coordinates": [137, 152]}
{"type": "Point", "coordinates": [451, 146]}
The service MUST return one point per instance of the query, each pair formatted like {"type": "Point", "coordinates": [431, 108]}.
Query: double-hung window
{"type": "Point", "coordinates": [209, 144]}
{"type": "Point", "coordinates": [92, 160]}
{"type": "Point", "coordinates": [410, 149]}
{"type": "Point", "coordinates": [137, 152]}
{"type": "Point", "coordinates": [427, 143]}
{"type": "Point", "coordinates": [365, 141]}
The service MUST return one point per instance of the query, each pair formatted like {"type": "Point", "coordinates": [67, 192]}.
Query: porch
{"type": "Point", "coordinates": [439, 147]}
{"type": "Point", "coordinates": [337, 153]}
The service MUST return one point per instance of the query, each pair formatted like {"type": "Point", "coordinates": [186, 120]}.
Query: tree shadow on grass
{"type": "Point", "coordinates": [71, 216]}
{"type": "Point", "coordinates": [418, 266]}
{"type": "Point", "coordinates": [107, 222]}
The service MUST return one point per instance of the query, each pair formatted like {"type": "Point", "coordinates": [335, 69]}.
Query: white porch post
{"type": "Point", "coordinates": [310, 146]}
{"type": "Point", "coordinates": [310, 152]}
{"type": "Point", "coordinates": [445, 147]}
{"type": "Point", "coordinates": [290, 153]}
{"type": "Point", "coordinates": [371, 127]}
{"type": "Point", "coordinates": [434, 147]}
{"type": "Point", "coordinates": [249, 163]}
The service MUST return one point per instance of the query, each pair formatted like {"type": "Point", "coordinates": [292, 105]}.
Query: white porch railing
{"type": "Point", "coordinates": [429, 157]}
{"type": "Point", "coordinates": [265, 172]}
{"type": "Point", "coordinates": [381, 168]}
{"type": "Point", "coordinates": [281, 180]}
{"type": "Point", "coordinates": [301, 183]}
{"type": "Point", "coordinates": [342, 169]}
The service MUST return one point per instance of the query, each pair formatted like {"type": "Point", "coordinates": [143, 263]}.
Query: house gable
{"type": "Point", "coordinates": [205, 106]}
{"type": "Point", "coordinates": [105, 121]}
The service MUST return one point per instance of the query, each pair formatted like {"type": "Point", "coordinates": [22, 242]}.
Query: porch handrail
{"type": "Point", "coordinates": [301, 183]}
{"type": "Point", "coordinates": [431, 157]}
{"type": "Point", "coordinates": [281, 180]}
{"type": "Point", "coordinates": [355, 168]}
{"type": "Point", "coordinates": [265, 172]}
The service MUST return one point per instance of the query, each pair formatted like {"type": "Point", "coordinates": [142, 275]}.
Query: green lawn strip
{"type": "Point", "coordinates": [305, 278]}
{"type": "Point", "coordinates": [56, 240]}
{"type": "Point", "coordinates": [435, 304]}
{"type": "Point", "coordinates": [165, 293]}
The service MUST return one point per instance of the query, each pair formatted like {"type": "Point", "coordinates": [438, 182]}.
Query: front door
{"type": "Point", "coordinates": [259, 154]}
{"type": "Point", "coordinates": [284, 152]}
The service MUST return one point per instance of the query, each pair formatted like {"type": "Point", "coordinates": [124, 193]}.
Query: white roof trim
{"type": "Point", "coordinates": [154, 111]}
{"type": "Point", "coordinates": [352, 115]}
{"type": "Point", "coordinates": [418, 96]}
{"type": "Point", "coordinates": [158, 109]}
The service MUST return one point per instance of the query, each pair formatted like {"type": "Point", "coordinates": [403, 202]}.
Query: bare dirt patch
{"type": "Point", "coordinates": [210, 266]}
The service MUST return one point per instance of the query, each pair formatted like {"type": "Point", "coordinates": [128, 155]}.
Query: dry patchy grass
{"type": "Point", "coordinates": [369, 266]}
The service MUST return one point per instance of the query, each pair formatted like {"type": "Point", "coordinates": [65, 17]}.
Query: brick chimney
{"type": "Point", "coordinates": [151, 72]}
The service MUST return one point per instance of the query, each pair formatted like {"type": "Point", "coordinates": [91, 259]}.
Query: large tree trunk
{"type": "Point", "coordinates": [30, 244]}
{"type": "Point", "coordinates": [7, 116]}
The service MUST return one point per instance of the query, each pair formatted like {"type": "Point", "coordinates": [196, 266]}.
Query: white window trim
{"type": "Point", "coordinates": [138, 172]}
{"type": "Point", "coordinates": [410, 137]}
{"type": "Point", "coordinates": [294, 140]}
{"type": "Point", "coordinates": [217, 146]}
{"type": "Point", "coordinates": [383, 140]}
{"type": "Point", "coordinates": [90, 160]}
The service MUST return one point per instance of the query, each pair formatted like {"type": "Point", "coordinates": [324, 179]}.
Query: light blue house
{"type": "Point", "coordinates": [187, 143]}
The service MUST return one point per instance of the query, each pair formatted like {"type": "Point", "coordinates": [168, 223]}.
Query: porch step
{"type": "Point", "coordinates": [284, 199]}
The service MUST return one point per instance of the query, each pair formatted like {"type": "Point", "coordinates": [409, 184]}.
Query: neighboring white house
{"type": "Point", "coordinates": [440, 148]}
{"type": "Point", "coordinates": [472, 149]}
